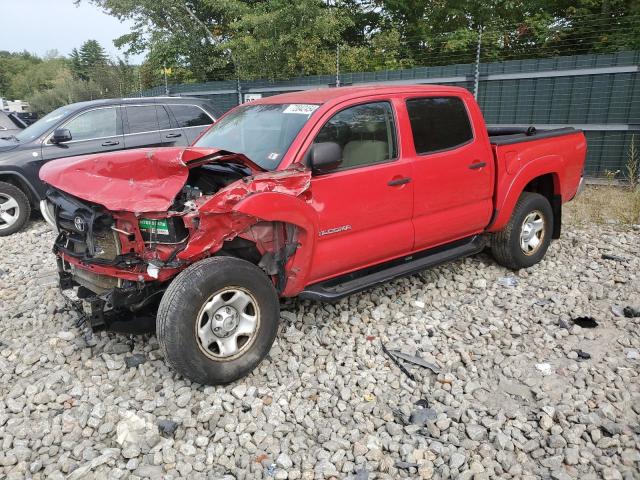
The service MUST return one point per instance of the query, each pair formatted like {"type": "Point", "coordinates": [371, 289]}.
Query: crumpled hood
{"type": "Point", "coordinates": [141, 180]}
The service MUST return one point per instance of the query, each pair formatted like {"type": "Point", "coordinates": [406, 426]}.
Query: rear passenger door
{"type": "Point", "coordinates": [141, 126]}
{"type": "Point", "coordinates": [191, 119]}
{"type": "Point", "coordinates": [170, 134]}
{"type": "Point", "coordinates": [453, 171]}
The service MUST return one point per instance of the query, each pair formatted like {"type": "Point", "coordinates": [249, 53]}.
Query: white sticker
{"type": "Point", "coordinates": [303, 108]}
{"type": "Point", "coordinates": [273, 156]}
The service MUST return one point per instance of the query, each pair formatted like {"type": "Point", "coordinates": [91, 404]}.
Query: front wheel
{"type": "Point", "coordinates": [525, 239]}
{"type": "Point", "coordinates": [14, 209]}
{"type": "Point", "coordinates": [217, 320]}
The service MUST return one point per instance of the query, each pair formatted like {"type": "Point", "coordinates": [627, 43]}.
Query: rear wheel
{"type": "Point", "coordinates": [217, 320]}
{"type": "Point", "coordinates": [14, 209]}
{"type": "Point", "coordinates": [525, 239]}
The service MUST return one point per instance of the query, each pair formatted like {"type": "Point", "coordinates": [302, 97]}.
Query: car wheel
{"type": "Point", "coordinates": [525, 239]}
{"type": "Point", "coordinates": [217, 320]}
{"type": "Point", "coordinates": [14, 209]}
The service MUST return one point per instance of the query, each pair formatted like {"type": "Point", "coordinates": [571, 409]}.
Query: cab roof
{"type": "Point", "coordinates": [325, 95]}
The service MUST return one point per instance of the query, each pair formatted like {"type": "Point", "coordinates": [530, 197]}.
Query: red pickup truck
{"type": "Point", "coordinates": [315, 194]}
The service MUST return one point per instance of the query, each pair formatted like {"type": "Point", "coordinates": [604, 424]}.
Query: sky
{"type": "Point", "coordinates": [42, 25]}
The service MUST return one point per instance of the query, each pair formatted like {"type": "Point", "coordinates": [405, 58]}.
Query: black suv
{"type": "Point", "coordinates": [90, 127]}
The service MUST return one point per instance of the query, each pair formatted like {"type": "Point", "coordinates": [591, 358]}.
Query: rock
{"type": "Point", "coordinates": [476, 432]}
{"type": "Point", "coordinates": [239, 391]}
{"type": "Point", "coordinates": [284, 461]}
{"type": "Point", "coordinates": [456, 460]}
{"type": "Point", "coordinates": [134, 360]}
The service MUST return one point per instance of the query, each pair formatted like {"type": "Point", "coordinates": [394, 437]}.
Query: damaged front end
{"type": "Point", "coordinates": [129, 222]}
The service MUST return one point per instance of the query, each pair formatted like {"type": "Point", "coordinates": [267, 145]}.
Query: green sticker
{"type": "Point", "coordinates": [158, 227]}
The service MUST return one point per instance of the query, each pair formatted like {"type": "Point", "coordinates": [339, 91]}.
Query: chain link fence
{"type": "Point", "coordinates": [588, 79]}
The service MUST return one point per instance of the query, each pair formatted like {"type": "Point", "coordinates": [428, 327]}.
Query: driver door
{"type": "Point", "coordinates": [365, 205]}
{"type": "Point", "coordinates": [97, 130]}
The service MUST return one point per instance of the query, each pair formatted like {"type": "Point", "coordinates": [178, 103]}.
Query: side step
{"type": "Point", "coordinates": [334, 289]}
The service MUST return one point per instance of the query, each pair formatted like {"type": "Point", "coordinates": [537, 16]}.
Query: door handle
{"type": "Point", "coordinates": [110, 143]}
{"type": "Point", "coordinates": [398, 181]}
{"type": "Point", "coordinates": [173, 135]}
{"type": "Point", "coordinates": [477, 165]}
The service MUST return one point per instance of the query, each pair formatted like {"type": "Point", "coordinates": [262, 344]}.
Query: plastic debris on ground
{"type": "Point", "coordinates": [631, 312]}
{"type": "Point", "coordinates": [422, 414]}
{"type": "Point", "coordinates": [544, 368]}
{"type": "Point", "coordinates": [415, 360]}
{"type": "Point", "coordinates": [397, 363]}
{"type": "Point", "coordinates": [582, 355]}
{"type": "Point", "coordinates": [167, 427]}
{"type": "Point", "coordinates": [509, 281]}
{"type": "Point", "coordinates": [585, 322]}
{"type": "Point", "coordinates": [611, 256]}
{"type": "Point", "coordinates": [633, 355]}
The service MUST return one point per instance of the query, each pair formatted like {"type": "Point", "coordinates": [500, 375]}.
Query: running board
{"type": "Point", "coordinates": [334, 289]}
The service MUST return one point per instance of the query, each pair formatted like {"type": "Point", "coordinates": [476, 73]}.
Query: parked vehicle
{"type": "Point", "coordinates": [316, 194]}
{"type": "Point", "coordinates": [10, 124]}
{"type": "Point", "coordinates": [98, 126]}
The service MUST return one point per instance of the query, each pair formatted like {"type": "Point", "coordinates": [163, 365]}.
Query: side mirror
{"type": "Point", "coordinates": [61, 135]}
{"type": "Point", "coordinates": [325, 156]}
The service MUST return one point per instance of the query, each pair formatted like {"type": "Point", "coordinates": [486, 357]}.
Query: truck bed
{"type": "Point", "coordinates": [508, 135]}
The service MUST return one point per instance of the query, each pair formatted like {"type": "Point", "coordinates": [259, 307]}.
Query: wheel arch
{"type": "Point", "coordinates": [18, 180]}
{"type": "Point", "coordinates": [541, 176]}
{"type": "Point", "coordinates": [288, 210]}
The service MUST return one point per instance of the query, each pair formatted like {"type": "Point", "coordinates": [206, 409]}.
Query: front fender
{"type": "Point", "coordinates": [279, 207]}
{"type": "Point", "coordinates": [511, 187]}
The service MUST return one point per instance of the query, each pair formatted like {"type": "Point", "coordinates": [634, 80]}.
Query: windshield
{"type": "Point", "coordinates": [263, 133]}
{"type": "Point", "coordinates": [34, 130]}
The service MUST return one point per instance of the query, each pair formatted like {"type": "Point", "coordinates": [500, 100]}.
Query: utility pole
{"type": "Point", "coordinates": [337, 65]}
{"type": "Point", "coordinates": [476, 80]}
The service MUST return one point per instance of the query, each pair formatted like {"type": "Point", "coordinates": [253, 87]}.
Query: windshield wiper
{"type": "Point", "coordinates": [9, 137]}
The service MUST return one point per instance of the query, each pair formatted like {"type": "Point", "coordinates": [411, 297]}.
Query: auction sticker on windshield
{"type": "Point", "coordinates": [302, 108]}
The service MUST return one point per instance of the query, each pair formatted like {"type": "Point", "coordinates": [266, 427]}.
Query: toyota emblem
{"type": "Point", "coordinates": [78, 222]}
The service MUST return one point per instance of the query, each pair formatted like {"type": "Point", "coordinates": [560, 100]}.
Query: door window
{"type": "Point", "coordinates": [98, 123]}
{"type": "Point", "coordinates": [163, 118]}
{"type": "Point", "coordinates": [142, 119]}
{"type": "Point", "coordinates": [190, 116]}
{"type": "Point", "coordinates": [365, 132]}
{"type": "Point", "coordinates": [438, 123]}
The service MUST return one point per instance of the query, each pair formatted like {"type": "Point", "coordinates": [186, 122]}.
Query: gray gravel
{"type": "Point", "coordinates": [513, 398]}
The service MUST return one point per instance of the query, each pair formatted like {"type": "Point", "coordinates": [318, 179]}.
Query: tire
{"type": "Point", "coordinates": [514, 246]}
{"type": "Point", "coordinates": [12, 219]}
{"type": "Point", "coordinates": [185, 328]}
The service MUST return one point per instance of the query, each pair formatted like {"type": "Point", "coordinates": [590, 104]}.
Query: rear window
{"type": "Point", "coordinates": [438, 123]}
{"type": "Point", "coordinates": [142, 119]}
{"type": "Point", "coordinates": [190, 116]}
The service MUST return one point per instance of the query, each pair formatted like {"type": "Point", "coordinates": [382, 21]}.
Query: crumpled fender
{"type": "Point", "coordinates": [269, 196]}
{"type": "Point", "coordinates": [278, 207]}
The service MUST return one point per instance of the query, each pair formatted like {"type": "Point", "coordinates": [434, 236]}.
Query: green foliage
{"type": "Point", "coordinates": [219, 39]}
{"type": "Point", "coordinates": [50, 82]}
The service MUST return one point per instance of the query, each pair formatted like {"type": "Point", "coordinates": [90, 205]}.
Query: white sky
{"type": "Point", "coordinates": [41, 25]}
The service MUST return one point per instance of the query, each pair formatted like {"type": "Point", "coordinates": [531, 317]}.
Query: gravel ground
{"type": "Point", "coordinates": [514, 397]}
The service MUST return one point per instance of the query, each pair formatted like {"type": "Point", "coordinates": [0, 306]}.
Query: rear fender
{"type": "Point", "coordinates": [510, 189]}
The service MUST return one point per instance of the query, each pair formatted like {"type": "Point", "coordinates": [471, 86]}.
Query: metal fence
{"type": "Point", "coordinates": [599, 94]}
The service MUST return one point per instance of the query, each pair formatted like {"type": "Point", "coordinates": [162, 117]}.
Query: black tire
{"type": "Point", "coordinates": [11, 192]}
{"type": "Point", "coordinates": [506, 244]}
{"type": "Point", "coordinates": [180, 312]}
